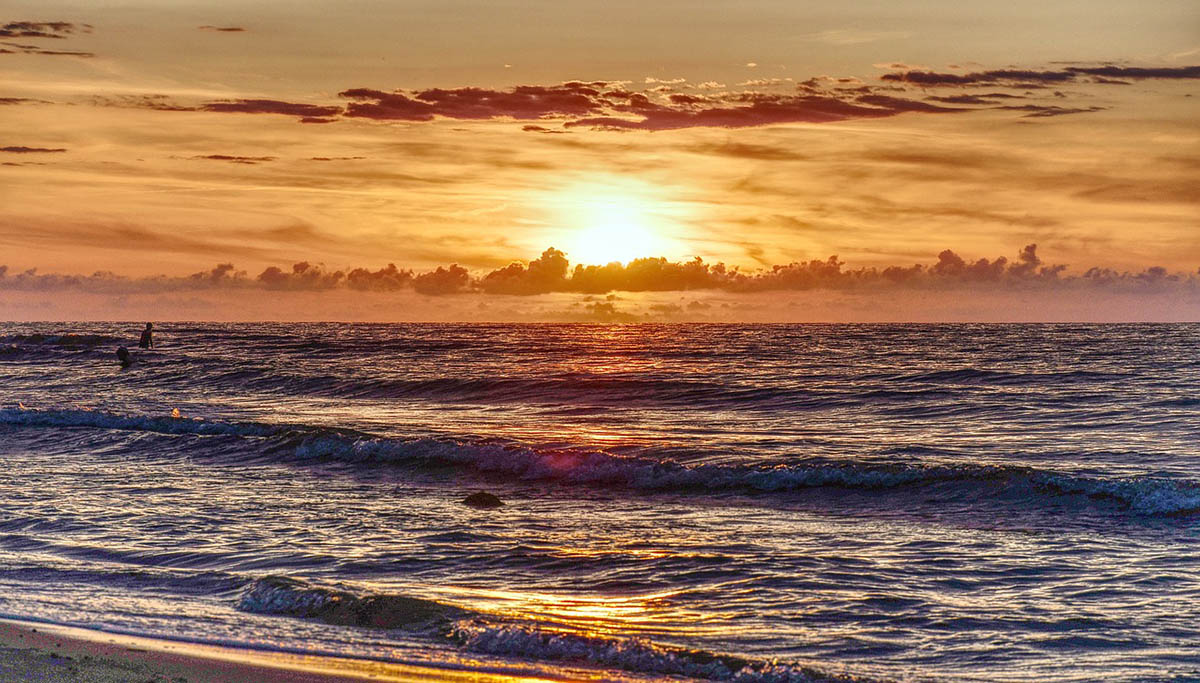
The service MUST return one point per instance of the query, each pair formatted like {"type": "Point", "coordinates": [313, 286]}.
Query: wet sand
{"type": "Point", "coordinates": [51, 653]}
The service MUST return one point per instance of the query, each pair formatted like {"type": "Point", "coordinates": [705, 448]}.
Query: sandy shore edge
{"type": "Point", "coordinates": [31, 651]}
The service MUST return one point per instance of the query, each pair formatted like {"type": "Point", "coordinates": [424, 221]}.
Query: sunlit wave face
{"type": "Point", "coordinates": [603, 222]}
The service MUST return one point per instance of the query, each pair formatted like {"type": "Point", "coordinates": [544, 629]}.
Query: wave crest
{"type": "Point", "coordinates": [636, 655]}
{"type": "Point", "coordinates": [285, 596]}
{"type": "Point", "coordinates": [1141, 495]}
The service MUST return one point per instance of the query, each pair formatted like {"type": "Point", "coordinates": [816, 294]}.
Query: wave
{"type": "Point", "coordinates": [558, 390]}
{"type": "Point", "coordinates": [637, 655]}
{"type": "Point", "coordinates": [281, 595]}
{"type": "Point", "coordinates": [1144, 495]}
{"type": "Point", "coordinates": [68, 340]}
{"type": "Point", "coordinates": [970, 375]}
{"type": "Point", "coordinates": [475, 632]}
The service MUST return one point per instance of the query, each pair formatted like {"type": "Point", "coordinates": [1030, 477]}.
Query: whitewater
{"type": "Point", "coordinates": [717, 502]}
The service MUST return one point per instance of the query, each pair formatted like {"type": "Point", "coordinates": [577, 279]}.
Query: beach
{"type": "Point", "coordinates": [54, 654]}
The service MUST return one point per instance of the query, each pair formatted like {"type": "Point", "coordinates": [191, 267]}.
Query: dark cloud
{"type": "Point", "coordinates": [541, 129]}
{"type": "Point", "coordinates": [522, 102]}
{"type": "Point", "coordinates": [233, 159]}
{"type": "Point", "coordinates": [551, 273]}
{"type": "Point", "coordinates": [754, 109]}
{"type": "Point", "coordinates": [222, 273]}
{"type": "Point", "coordinates": [601, 105]}
{"type": "Point", "coordinates": [42, 29]}
{"type": "Point", "coordinates": [21, 100]}
{"type": "Point", "coordinates": [19, 149]}
{"type": "Point", "coordinates": [151, 101]}
{"type": "Point", "coordinates": [1134, 72]}
{"type": "Point", "coordinates": [452, 280]}
{"type": "Point", "coordinates": [18, 48]}
{"type": "Point", "coordinates": [548, 273]}
{"type": "Point", "coordinates": [222, 29]}
{"type": "Point", "coordinates": [304, 275]}
{"type": "Point", "coordinates": [306, 111]}
{"type": "Point", "coordinates": [1036, 78]}
{"type": "Point", "coordinates": [1038, 110]}
{"type": "Point", "coordinates": [382, 280]}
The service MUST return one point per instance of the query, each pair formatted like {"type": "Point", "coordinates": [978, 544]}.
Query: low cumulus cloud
{"type": "Point", "coordinates": [552, 273]}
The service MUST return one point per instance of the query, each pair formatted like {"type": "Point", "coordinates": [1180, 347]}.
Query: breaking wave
{"type": "Point", "coordinates": [636, 655]}
{"type": "Point", "coordinates": [285, 596]}
{"type": "Point", "coordinates": [1144, 495]}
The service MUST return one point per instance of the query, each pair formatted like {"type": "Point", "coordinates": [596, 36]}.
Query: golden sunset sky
{"type": "Point", "coordinates": [155, 140]}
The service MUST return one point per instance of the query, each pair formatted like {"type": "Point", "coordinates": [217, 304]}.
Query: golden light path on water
{"type": "Point", "coordinates": [598, 614]}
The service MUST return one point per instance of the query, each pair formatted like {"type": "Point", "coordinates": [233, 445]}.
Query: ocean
{"type": "Point", "coordinates": [720, 502]}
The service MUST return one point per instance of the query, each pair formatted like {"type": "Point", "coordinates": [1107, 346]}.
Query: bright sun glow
{"type": "Point", "coordinates": [614, 230]}
{"type": "Point", "coordinates": [606, 222]}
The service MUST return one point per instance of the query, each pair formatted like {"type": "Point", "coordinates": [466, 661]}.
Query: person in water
{"type": "Point", "coordinates": [147, 340]}
{"type": "Point", "coordinates": [124, 357]}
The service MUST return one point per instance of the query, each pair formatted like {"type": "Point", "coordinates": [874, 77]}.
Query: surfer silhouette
{"type": "Point", "coordinates": [147, 340]}
{"type": "Point", "coordinates": [124, 357]}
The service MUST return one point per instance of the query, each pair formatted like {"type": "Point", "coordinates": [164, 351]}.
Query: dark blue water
{"type": "Point", "coordinates": [933, 502]}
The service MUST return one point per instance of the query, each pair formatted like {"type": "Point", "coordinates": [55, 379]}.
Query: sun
{"type": "Point", "coordinates": [601, 223]}
{"type": "Point", "coordinates": [614, 230]}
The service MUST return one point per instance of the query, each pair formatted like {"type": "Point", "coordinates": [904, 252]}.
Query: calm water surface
{"type": "Point", "coordinates": [753, 503]}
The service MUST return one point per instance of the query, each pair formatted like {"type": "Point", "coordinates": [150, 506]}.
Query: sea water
{"type": "Point", "coordinates": [726, 502]}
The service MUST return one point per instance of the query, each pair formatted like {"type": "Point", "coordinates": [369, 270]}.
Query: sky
{"type": "Point", "coordinates": [765, 160]}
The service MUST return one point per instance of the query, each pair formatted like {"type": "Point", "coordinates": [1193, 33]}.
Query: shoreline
{"type": "Point", "coordinates": [37, 651]}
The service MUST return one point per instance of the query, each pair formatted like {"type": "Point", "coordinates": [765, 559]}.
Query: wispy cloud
{"type": "Point", "coordinates": [21, 149]}
{"type": "Point", "coordinates": [850, 36]}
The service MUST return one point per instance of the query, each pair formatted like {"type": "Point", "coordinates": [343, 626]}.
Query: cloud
{"type": "Point", "coordinates": [547, 273]}
{"type": "Point", "coordinates": [982, 98]}
{"type": "Point", "coordinates": [222, 29]}
{"type": "Point", "coordinates": [1035, 78]}
{"type": "Point", "coordinates": [153, 101]}
{"type": "Point", "coordinates": [382, 280]}
{"type": "Point", "coordinates": [1136, 73]}
{"type": "Point", "coordinates": [452, 280]}
{"type": "Point", "coordinates": [306, 111]}
{"type": "Point", "coordinates": [611, 106]}
{"type": "Point", "coordinates": [522, 102]}
{"type": "Point", "coordinates": [42, 29]}
{"type": "Point", "coordinates": [304, 275]}
{"type": "Point", "coordinates": [756, 109]}
{"type": "Point", "coordinates": [1037, 110]}
{"type": "Point", "coordinates": [745, 150]}
{"type": "Point", "coordinates": [234, 159]}
{"type": "Point", "coordinates": [854, 36]}
{"type": "Point", "coordinates": [551, 274]}
{"type": "Point", "coordinates": [18, 48]}
{"type": "Point", "coordinates": [19, 149]}
{"type": "Point", "coordinates": [21, 100]}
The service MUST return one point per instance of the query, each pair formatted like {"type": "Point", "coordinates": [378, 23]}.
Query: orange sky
{"type": "Point", "coordinates": [153, 139]}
